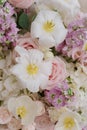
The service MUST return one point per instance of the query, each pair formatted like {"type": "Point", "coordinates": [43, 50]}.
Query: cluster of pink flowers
{"type": "Point", "coordinates": [8, 27]}
{"type": "Point", "coordinates": [73, 45]}
{"type": "Point", "coordinates": [59, 96]}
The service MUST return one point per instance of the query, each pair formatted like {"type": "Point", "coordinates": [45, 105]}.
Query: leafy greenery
{"type": "Point", "coordinates": [23, 21]}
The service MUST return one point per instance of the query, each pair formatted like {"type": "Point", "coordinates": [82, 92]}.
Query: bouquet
{"type": "Point", "coordinates": [43, 65]}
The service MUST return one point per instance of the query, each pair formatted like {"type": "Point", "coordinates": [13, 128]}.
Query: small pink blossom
{"type": "Point", "coordinates": [5, 115]}
{"type": "Point", "coordinates": [58, 73]}
{"type": "Point", "coordinates": [43, 123]}
{"type": "Point", "coordinates": [76, 53]}
{"type": "Point", "coordinates": [21, 3]}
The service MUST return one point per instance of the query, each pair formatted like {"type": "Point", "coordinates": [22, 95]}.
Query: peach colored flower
{"type": "Point", "coordinates": [58, 73]}
{"type": "Point", "coordinates": [41, 108]}
{"type": "Point", "coordinates": [5, 115]}
{"type": "Point", "coordinates": [43, 122]}
{"type": "Point", "coordinates": [21, 3]}
{"type": "Point", "coordinates": [29, 127]}
{"type": "Point", "coordinates": [14, 124]}
{"type": "Point", "coordinates": [26, 42]}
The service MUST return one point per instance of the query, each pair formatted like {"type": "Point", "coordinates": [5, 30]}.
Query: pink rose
{"type": "Point", "coordinates": [21, 3]}
{"type": "Point", "coordinates": [5, 115]}
{"type": "Point", "coordinates": [58, 73]}
{"type": "Point", "coordinates": [14, 124]}
{"type": "Point", "coordinates": [43, 123]}
{"type": "Point", "coordinates": [26, 42]}
{"type": "Point", "coordinates": [29, 127]}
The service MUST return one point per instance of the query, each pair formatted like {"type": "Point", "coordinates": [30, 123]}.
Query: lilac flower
{"type": "Point", "coordinates": [85, 128]}
{"type": "Point", "coordinates": [8, 29]}
{"type": "Point", "coordinates": [59, 101]}
{"type": "Point", "coordinates": [59, 95]}
{"type": "Point", "coordinates": [51, 95]}
{"type": "Point", "coordinates": [76, 37]}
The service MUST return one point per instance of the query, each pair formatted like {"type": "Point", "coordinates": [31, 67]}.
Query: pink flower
{"type": "Point", "coordinates": [21, 3]}
{"type": "Point", "coordinates": [76, 53]}
{"type": "Point", "coordinates": [26, 42]}
{"type": "Point", "coordinates": [43, 123]}
{"type": "Point", "coordinates": [14, 124]}
{"type": "Point", "coordinates": [29, 127]}
{"type": "Point", "coordinates": [58, 73]}
{"type": "Point", "coordinates": [41, 108]}
{"type": "Point", "coordinates": [5, 115]}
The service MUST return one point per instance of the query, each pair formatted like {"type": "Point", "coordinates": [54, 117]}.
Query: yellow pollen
{"type": "Point", "coordinates": [48, 26]}
{"type": "Point", "coordinates": [69, 123]}
{"type": "Point", "coordinates": [32, 69]}
{"type": "Point", "coordinates": [21, 111]}
{"type": "Point", "coordinates": [85, 47]}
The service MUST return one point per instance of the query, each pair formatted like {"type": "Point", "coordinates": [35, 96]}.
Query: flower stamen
{"type": "Point", "coordinates": [21, 111]}
{"type": "Point", "coordinates": [48, 26]}
{"type": "Point", "coordinates": [32, 69]}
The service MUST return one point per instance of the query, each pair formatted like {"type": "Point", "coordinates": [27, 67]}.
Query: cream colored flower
{"type": "Point", "coordinates": [5, 115]}
{"type": "Point", "coordinates": [68, 121]}
{"type": "Point", "coordinates": [31, 69]}
{"type": "Point", "coordinates": [48, 28]}
{"type": "Point", "coordinates": [24, 108]}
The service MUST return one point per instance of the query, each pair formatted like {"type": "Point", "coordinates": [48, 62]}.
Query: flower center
{"type": "Point", "coordinates": [32, 69]}
{"type": "Point", "coordinates": [21, 111]}
{"type": "Point", "coordinates": [69, 123]}
{"type": "Point", "coordinates": [48, 26]}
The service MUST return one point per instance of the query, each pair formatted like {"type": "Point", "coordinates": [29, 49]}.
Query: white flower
{"type": "Point", "coordinates": [31, 69]}
{"type": "Point", "coordinates": [69, 9]}
{"type": "Point", "coordinates": [48, 28]}
{"type": "Point", "coordinates": [11, 84]}
{"type": "Point", "coordinates": [68, 121]}
{"type": "Point", "coordinates": [24, 108]}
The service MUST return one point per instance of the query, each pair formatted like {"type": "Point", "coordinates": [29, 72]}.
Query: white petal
{"type": "Point", "coordinates": [12, 105]}
{"type": "Point", "coordinates": [35, 56]}
{"type": "Point", "coordinates": [33, 85]}
{"type": "Point", "coordinates": [36, 30]}
{"type": "Point", "coordinates": [47, 41]}
{"type": "Point", "coordinates": [21, 51]}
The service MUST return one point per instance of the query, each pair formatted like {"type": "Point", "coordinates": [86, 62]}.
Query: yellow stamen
{"type": "Point", "coordinates": [85, 47]}
{"type": "Point", "coordinates": [21, 111]}
{"type": "Point", "coordinates": [32, 69]}
{"type": "Point", "coordinates": [69, 123]}
{"type": "Point", "coordinates": [48, 26]}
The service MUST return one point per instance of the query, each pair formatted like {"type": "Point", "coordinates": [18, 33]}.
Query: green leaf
{"type": "Point", "coordinates": [70, 92]}
{"type": "Point", "coordinates": [23, 21]}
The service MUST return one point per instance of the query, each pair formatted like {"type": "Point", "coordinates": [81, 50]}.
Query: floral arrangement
{"type": "Point", "coordinates": [43, 65]}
